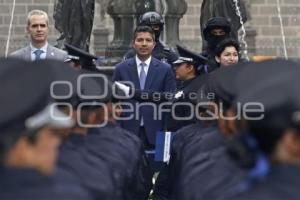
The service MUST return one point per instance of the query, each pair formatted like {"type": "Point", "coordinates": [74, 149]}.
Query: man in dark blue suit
{"type": "Point", "coordinates": [146, 73]}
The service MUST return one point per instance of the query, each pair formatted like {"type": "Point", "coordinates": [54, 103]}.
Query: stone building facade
{"type": "Point", "coordinates": [264, 20]}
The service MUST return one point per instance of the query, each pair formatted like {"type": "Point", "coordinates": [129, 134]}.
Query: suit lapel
{"type": "Point", "coordinates": [151, 73]}
{"type": "Point", "coordinates": [133, 73]}
{"type": "Point", "coordinates": [50, 52]}
{"type": "Point", "coordinates": [27, 53]}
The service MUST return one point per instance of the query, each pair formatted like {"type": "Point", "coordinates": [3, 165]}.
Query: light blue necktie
{"type": "Point", "coordinates": [38, 54]}
{"type": "Point", "coordinates": [142, 76]}
{"type": "Point", "coordinates": [142, 84]}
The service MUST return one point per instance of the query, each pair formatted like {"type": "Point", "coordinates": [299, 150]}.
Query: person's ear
{"type": "Point", "coordinates": [154, 43]}
{"type": "Point", "coordinates": [291, 139]}
{"type": "Point", "coordinates": [191, 67]}
{"type": "Point", "coordinates": [217, 59]}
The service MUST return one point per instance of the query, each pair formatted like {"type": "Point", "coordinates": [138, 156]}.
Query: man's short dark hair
{"type": "Point", "coordinates": [140, 29]}
{"type": "Point", "coordinates": [226, 43]}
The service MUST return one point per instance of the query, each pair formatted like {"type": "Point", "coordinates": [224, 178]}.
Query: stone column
{"type": "Point", "coordinates": [122, 12]}
{"type": "Point", "coordinates": [100, 40]}
{"type": "Point", "coordinates": [250, 39]}
{"type": "Point", "coordinates": [100, 32]}
{"type": "Point", "coordinates": [175, 11]}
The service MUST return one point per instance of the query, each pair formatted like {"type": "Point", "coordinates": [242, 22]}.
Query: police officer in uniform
{"type": "Point", "coordinates": [92, 173]}
{"type": "Point", "coordinates": [204, 158]}
{"type": "Point", "coordinates": [187, 68]}
{"type": "Point", "coordinates": [29, 139]}
{"type": "Point", "coordinates": [161, 51]}
{"type": "Point", "coordinates": [127, 161]}
{"type": "Point", "coordinates": [220, 172]}
{"type": "Point", "coordinates": [273, 141]}
{"type": "Point", "coordinates": [80, 59]}
{"type": "Point", "coordinates": [196, 146]}
{"type": "Point", "coordinates": [106, 159]}
{"type": "Point", "coordinates": [119, 149]}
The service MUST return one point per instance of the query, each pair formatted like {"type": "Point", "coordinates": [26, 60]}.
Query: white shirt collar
{"type": "Point", "coordinates": [138, 61]}
{"type": "Point", "coordinates": [44, 48]}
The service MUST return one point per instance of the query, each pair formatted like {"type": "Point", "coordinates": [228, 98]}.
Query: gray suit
{"type": "Point", "coordinates": [52, 53]}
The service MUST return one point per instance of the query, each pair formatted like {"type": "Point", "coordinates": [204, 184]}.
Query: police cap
{"type": "Point", "coordinates": [85, 59]}
{"type": "Point", "coordinates": [272, 107]}
{"type": "Point", "coordinates": [95, 87]}
{"type": "Point", "coordinates": [187, 56]}
{"type": "Point", "coordinates": [25, 97]}
{"type": "Point", "coordinates": [64, 87]}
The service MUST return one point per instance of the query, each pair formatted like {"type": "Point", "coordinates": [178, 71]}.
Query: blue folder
{"type": "Point", "coordinates": [163, 146]}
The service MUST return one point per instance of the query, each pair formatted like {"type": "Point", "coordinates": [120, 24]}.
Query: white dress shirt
{"type": "Point", "coordinates": [43, 55]}
{"type": "Point", "coordinates": [138, 63]}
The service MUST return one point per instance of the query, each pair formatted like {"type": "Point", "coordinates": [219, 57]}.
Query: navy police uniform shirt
{"type": "Point", "coordinates": [182, 96]}
{"type": "Point", "coordinates": [167, 181]}
{"type": "Point", "coordinates": [94, 175]}
{"type": "Point", "coordinates": [27, 184]}
{"type": "Point", "coordinates": [281, 183]}
{"type": "Point", "coordinates": [214, 170]}
{"type": "Point", "coordinates": [124, 152]}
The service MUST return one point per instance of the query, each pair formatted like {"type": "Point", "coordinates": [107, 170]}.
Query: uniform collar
{"type": "Point", "coordinates": [187, 82]}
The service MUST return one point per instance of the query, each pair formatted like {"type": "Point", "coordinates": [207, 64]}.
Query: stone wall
{"type": "Point", "coordinates": [264, 20]}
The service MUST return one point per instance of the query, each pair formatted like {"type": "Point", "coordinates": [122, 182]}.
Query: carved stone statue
{"type": "Point", "coordinates": [175, 11]}
{"type": "Point", "coordinates": [74, 20]}
{"type": "Point", "coordinates": [103, 8]}
{"type": "Point", "coordinates": [122, 12]}
{"type": "Point", "coordinates": [222, 8]}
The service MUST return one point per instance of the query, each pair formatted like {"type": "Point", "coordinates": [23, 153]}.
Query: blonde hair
{"type": "Point", "coordinates": [37, 12]}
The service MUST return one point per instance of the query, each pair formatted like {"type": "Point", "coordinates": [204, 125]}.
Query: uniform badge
{"type": "Point", "coordinates": [178, 94]}
{"type": "Point", "coordinates": [164, 60]}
